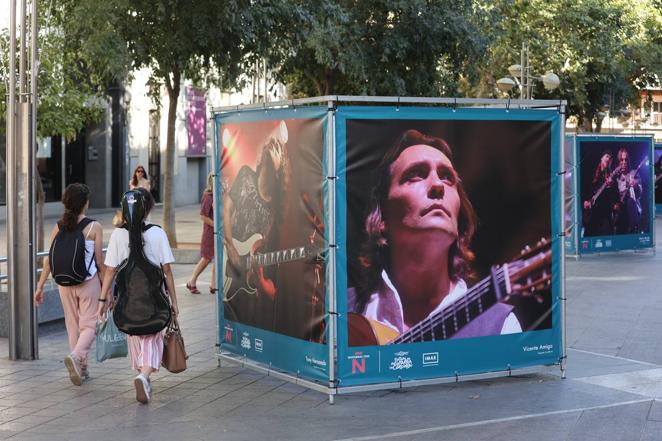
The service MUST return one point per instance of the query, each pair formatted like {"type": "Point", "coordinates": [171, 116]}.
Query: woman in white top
{"type": "Point", "coordinates": [140, 179]}
{"type": "Point", "coordinates": [145, 351]}
{"type": "Point", "coordinates": [78, 301]}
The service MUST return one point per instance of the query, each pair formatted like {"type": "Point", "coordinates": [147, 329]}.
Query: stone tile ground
{"type": "Point", "coordinates": [612, 391]}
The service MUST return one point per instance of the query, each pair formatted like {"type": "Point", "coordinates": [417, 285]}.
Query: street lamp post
{"type": "Point", "coordinates": [521, 77]}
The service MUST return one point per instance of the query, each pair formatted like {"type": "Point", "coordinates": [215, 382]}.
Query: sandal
{"type": "Point", "coordinates": [192, 289]}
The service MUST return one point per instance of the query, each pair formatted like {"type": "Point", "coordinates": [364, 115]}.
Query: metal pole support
{"type": "Point", "coordinates": [20, 204]}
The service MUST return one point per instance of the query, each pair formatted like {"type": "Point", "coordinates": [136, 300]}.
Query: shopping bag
{"type": "Point", "coordinates": [174, 352]}
{"type": "Point", "coordinates": [111, 342]}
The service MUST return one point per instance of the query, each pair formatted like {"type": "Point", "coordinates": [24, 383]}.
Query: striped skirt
{"type": "Point", "coordinates": [146, 350]}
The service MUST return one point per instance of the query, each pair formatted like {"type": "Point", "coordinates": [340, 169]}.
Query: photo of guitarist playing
{"type": "Point", "coordinates": [598, 216]}
{"type": "Point", "coordinates": [627, 211]}
{"type": "Point", "coordinates": [658, 176]}
{"type": "Point", "coordinates": [252, 212]}
{"type": "Point", "coordinates": [417, 259]}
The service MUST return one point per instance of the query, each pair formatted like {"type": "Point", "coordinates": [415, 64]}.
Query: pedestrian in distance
{"type": "Point", "coordinates": [207, 240]}
{"type": "Point", "coordinates": [140, 179]}
{"type": "Point", "coordinates": [76, 262]}
{"type": "Point", "coordinates": [145, 351]}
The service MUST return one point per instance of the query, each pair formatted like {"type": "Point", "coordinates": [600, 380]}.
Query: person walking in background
{"type": "Point", "coordinates": [79, 299]}
{"type": "Point", "coordinates": [140, 179]}
{"type": "Point", "coordinates": [207, 240]}
{"type": "Point", "coordinates": [145, 351]}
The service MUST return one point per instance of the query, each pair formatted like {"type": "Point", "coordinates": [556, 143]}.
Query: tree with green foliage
{"type": "Point", "coordinates": [204, 41]}
{"type": "Point", "coordinates": [66, 90]}
{"type": "Point", "coordinates": [370, 47]}
{"type": "Point", "coordinates": [604, 51]}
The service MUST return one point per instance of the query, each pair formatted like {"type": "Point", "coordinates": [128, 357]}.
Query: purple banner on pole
{"type": "Point", "coordinates": [196, 122]}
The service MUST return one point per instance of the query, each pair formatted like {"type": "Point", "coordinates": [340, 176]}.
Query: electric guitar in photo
{"type": "Point", "coordinates": [241, 279]}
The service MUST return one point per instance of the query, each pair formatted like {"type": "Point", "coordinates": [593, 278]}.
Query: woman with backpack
{"type": "Point", "coordinates": [75, 260]}
{"type": "Point", "coordinates": [145, 349]}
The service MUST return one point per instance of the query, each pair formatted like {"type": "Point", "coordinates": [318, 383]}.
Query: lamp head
{"type": "Point", "coordinates": [505, 84]}
{"type": "Point", "coordinates": [551, 81]}
{"type": "Point", "coordinates": [515, 70]}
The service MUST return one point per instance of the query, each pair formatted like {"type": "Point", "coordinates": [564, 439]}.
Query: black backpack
{"type": "Point", "coordinates": [142, 306]}
{"type": "Point", "coordinates": [67, 255]}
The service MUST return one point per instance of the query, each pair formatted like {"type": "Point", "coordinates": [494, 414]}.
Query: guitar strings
{"type": "Point", "coordinates": [430, 323]}
{"type": "Point", "coordinates": [476, 291]}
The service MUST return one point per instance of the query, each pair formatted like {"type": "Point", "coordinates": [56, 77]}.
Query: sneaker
{"type": "Point", "coordinates": [84, 373]}
{"type": "Point", "coordinates": [143, 389]}
{"type": "Point", "coordinates": [73, 366]}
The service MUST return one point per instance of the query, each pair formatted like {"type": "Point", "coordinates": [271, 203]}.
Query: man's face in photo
{"type": "Point", "coordinates": [623, 161]}
{"type": "Point", "coordinates": [605, 161]}
{"type": "Point", "coordinates": [423, 194]}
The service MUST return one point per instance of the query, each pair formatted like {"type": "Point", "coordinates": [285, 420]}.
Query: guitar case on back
{"type": "Point", "coordinates": [142, 307]}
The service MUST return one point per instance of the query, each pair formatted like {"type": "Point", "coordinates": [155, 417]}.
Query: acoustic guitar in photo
{"type": "Point", "coordinates": [241, 280]}
{"type": "Point", "coordinates": [528, 275]}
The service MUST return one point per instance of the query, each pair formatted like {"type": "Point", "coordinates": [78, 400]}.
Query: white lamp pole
{"type": "Point", "coordinates": [522, 79]}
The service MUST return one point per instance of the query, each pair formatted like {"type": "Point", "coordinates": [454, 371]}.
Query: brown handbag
{"type": "Point", "coordinates": [174, 352]}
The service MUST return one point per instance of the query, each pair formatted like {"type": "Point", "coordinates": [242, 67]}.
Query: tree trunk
{"type": "Point", "coordinates": [587, 123]}
{"type": "Point", "coordinates": [169, 172]}
{"type": "Point", "coordinates": [330, 78]}
{"type": "Point", "coordinates": [598, 124]}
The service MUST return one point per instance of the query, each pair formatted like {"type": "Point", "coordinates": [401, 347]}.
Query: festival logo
{"type": "Point", "coordinates": [228, 334]}
{"type": "Point", "coordinates": [358, 362]}
{"type": "Point", "coordinates": [402, 361]}
{"type": "Point", "coordinates": [431, 359]}
{"type": "Point", "coordinates": [245, 341]}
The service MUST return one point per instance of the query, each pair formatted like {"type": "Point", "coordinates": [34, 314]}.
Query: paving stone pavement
{"type": "Point", "coordinates": [612, 391]}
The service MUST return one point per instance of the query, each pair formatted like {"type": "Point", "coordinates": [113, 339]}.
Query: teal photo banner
{"type": "Point", "coordinates": [658, 178]}
{"type": "Point", "coordinates": [615, 200]}
{"type": "Point", "coordinates": [271, 183]}
{"type": "Point", "coordinates": [449, 238]}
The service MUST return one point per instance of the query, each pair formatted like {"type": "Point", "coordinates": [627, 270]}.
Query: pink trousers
{"type": "Point", "coordinates": [80, 304]}
{"type": "Point", "coordinates": [145, 350]}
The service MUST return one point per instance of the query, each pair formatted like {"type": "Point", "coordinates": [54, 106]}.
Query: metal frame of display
{"type": "Point", "coordinates": [575, 216]}
{"type": "Point", "coordinates": [607, 136]}
{"type": "Point", "coordinates": [333, 388]}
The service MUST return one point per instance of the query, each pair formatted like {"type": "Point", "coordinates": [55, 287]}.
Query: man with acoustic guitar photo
{"type": "Point", "coordinates": [417, 260]}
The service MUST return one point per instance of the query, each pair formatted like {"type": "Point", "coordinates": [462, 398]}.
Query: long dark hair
{"type": "Point", "coordinates": [134, 179]}
{"type": "Point", "coordinates": [375, 255]}
{"type": "Point", "coordinates": [74, 198]}
{"type": "Point", "coordinates": [274, 156]}
{"type": "Point", "coordinates": [601, 175]}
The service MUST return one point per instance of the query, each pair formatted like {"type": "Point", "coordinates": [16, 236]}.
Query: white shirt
{"type": "Point", "coordinates": [89, 254]}
{"type": "Point", "coordinates": [385, 307]}
{"type": "Point", "coordinates": [157, 248]}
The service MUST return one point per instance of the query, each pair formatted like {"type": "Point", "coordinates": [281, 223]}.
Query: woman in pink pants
{"type": "Point", "coordinates": [79, 301]}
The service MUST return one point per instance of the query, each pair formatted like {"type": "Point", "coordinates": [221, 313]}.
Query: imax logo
{"type": "Point", "coordinates": [431, 359]}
